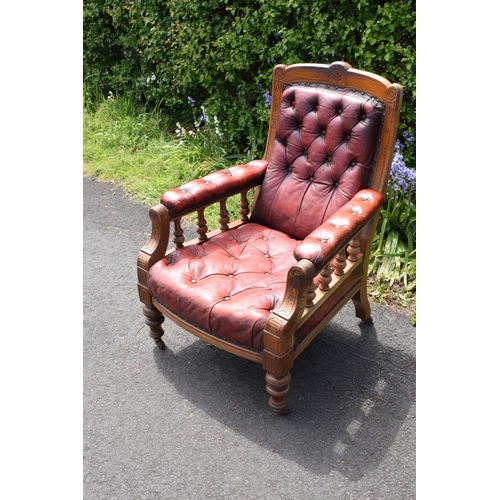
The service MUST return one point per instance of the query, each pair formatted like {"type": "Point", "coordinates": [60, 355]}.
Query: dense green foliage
{"type": "Point", "coordinates": [183, 63]}
{"type": "Point", "coordinates": [221, 52]}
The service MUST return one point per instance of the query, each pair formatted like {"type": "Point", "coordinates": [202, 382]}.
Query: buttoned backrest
{"type": "Point", "coordinates": [325, 145]}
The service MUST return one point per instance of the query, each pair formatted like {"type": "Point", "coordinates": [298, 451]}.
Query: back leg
{"type": "Point", "coordinates": [362, 305]}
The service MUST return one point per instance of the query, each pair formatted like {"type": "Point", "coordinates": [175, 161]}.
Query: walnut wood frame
{"type": "Point", "coordinates": [301, 301]}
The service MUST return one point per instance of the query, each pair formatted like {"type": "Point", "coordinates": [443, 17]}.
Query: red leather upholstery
{"type": "Point", "coordinates": [325, 144]}
{"type": "Point", "coordinates": [229, 284]}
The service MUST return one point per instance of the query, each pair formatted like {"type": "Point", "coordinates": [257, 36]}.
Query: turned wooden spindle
{"type": "Point", "coordinates": [201, 225]}
{"type": "Point", "coordinates": [311, 294]}
{"type": "Point", "coordinates": [178, 233]}
{"type": "Point", "coordinates": [339, 263]}
{"type": "Point", "coordinates": [223, 216]}
{"type": "Point", "coordinates": [354, 249]}
{"type": "Point", "coordinates": [244, 210]}
{"type": "Point", "coordinates": [325, 277]}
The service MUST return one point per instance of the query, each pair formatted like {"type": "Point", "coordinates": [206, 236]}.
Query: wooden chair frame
{"type": "Point", "coordinates": [311, 287]}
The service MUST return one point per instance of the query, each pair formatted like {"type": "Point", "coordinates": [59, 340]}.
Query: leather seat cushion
{"type": "Point", "coordinates": [228, 285]}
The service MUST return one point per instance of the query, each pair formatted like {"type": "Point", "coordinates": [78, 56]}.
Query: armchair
{"type": "Point", "coordinates": [265, 285]}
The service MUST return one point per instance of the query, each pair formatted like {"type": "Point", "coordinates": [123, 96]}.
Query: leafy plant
{"type": "Point", "coordinates": [394, 249]}
{"type": "Point", "coordinates": [222, 53]}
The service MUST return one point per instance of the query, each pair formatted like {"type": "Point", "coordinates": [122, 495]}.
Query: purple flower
{"type": "Point", "coordinates": [191, 101]}
{"type": "Point", "coordinates": [268, 98]}
{"type": "Point", "coordinates": [402, 178]}
{"type": "Point", "coordinates": [408, 137]}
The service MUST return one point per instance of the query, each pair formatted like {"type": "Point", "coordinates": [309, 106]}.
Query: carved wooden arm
{"type": "Point", "coordinates": [190, 197]}
{"type": "Point", "coordinates": [196, 195]}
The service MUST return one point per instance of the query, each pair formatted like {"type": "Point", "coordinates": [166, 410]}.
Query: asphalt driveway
{"type": "Point", "coordinates": [192, 422]}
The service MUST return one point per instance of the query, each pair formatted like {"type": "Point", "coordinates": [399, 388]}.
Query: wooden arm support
{"type": "Point", "coordinates": [280, 327]}
{"type": "Point", "coordinates": [154, 249]}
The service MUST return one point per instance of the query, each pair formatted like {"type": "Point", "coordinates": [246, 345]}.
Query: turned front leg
{"type": "Point", "coordinates": [278, 352]}
{"type": "Point", "coordinates": [277, 361]}
{"type": "Point", "coordinates": [277, 388]}
{"type": "Point", "coordinates": [154, 320]}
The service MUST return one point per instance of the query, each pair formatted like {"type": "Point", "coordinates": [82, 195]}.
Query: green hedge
{"type": "Point", "coordinates": [221, 53]}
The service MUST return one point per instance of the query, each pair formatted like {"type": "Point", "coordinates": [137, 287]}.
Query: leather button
{"type": "Point", "coordinates": [311, 178]}
{"type": "Point", "coordinates": [267, 256]}
{"type": "Point", "coordinates": [227, 298]}
{"type": "Point", "coordinates": [194, 281]}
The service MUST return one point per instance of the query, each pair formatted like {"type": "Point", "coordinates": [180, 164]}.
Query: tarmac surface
{"type": "Point", "coordinates": [192, 422]}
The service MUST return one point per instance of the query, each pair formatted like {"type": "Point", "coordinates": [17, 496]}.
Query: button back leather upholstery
{"type": "Point", "coordinates": [325, 144]}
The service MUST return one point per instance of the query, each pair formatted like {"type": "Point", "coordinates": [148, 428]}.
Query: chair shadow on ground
{"type": "Point", "coordinates": [349, 397]}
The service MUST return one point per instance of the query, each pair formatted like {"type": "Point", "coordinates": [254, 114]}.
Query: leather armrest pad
{"type": "Point", "coordinates": [324, 243]}
{"type": "Point", "coordinates": [213, 187]}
